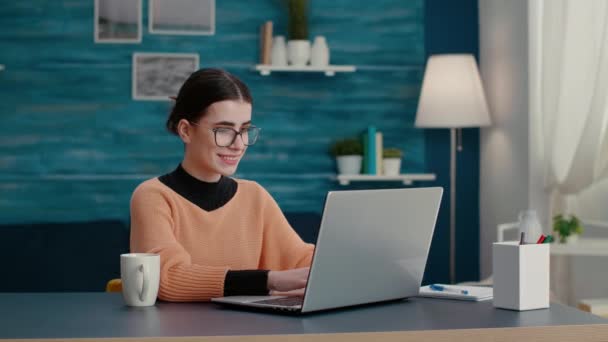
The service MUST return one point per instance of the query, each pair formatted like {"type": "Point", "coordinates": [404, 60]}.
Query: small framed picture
{"type": "Point", "coordinates": [188, 17]}
{"type": "Point", "coordinates": [118, 21]}
{"type": "Point", "coordinates": [158, 76]}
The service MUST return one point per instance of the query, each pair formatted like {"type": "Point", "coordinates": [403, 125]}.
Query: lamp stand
{"type": "Point", "coordinates": [453, 205]}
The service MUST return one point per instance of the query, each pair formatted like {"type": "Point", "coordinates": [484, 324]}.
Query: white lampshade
{"type": "Point", "coordinates": [452, 95]}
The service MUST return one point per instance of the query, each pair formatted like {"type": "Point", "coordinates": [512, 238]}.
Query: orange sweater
{"type": "Point", "coordinates": [197, 247]}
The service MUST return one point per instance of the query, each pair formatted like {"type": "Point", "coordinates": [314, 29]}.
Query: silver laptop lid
{"type": "Point", "coordinates": [372, 246]}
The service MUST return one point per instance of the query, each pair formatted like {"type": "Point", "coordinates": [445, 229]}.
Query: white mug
{"type": "Point", "coordinates": [140, 275]}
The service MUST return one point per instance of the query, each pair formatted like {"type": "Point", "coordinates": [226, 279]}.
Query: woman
{"type": "Point", "coordinates": [216, 236]}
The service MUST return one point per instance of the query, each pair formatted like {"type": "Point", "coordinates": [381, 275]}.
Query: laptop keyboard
{"type": "Point", "coordinates": [285, 301]}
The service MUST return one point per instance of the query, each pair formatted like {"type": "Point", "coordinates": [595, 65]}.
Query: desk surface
{"type": "Point", "coordinates": [104, 315]}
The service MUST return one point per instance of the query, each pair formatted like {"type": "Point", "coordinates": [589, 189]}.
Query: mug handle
{"type": "Point", "coordinates": [144, 287]}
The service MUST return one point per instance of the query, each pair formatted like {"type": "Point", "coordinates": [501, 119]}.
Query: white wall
{"type": "Point", "coordinates": [504, 168]}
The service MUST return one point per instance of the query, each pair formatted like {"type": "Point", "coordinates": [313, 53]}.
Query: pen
{"type": "Point", "coordinates": [521, 238]}
{"type": "Point", "coordinates": [541, 239]}
{"type": "Point", "coordinates": [437, 287]}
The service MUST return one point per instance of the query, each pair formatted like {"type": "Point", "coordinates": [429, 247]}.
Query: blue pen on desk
{"type": "Point", "coordinates": [437, 287]}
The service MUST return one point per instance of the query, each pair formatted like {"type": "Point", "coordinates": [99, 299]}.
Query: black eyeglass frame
{"type": "Point", "coordinates": [236, 133]}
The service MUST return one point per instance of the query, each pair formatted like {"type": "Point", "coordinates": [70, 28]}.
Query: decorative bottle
{"type": "Point", "coordinates": [278, 55]}
{"type": "Point", "coordinates": [319, 52]}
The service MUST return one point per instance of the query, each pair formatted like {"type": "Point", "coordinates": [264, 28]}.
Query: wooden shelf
{"type": "Point", "coordinates": [329, 70]}
{"type": "Point", "coordinates": [407, 179]}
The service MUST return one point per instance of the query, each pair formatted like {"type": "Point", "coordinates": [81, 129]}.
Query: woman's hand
{"type": "Point", "coordinates": [298, 292]}
{"type": "Point", "coordinates": [289, 280]}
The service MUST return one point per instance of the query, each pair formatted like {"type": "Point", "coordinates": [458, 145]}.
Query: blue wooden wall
{"type": "Point", "coordinates": [73, 144]}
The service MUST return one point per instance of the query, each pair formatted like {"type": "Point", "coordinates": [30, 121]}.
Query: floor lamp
{"type": "Point", "coordinates": [452, 97]}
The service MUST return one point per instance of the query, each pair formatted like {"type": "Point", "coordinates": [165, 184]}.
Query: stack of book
{"type": "Point", "coordinates": [265, 42]}
{"type": "Point", "coordinates": [372, 151]}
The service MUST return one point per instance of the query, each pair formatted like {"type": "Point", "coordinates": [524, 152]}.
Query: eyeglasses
{"type": "Point", "coordinates": [225, 136]}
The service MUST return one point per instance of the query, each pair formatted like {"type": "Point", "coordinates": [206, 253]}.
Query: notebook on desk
{"type": "Point", "coordinates": [372, 247]}
{"type": "Point", "coordinates": [473, 293]}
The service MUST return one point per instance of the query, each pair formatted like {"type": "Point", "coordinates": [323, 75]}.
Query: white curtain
{"type": "Point", "coordinates": [572, 50]}
{"type": "Point", "coordinates": [568, 101]}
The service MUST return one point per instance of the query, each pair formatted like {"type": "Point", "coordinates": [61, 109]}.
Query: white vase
{"type": "Point", "coordinates": [529, 224]}
{"type": "Point", "coordinates": [391, 166]}
{"type": "Point", "coordinates": [319, 53]}
{"type": "Point", "coordinates": [349, 165]}
{"type": "Point", "coordinates": [298, 52]}
{"type": "Point", "coordinates": [278, 54]}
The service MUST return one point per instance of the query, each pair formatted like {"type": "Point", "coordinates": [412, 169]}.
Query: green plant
{"type": "Point", "coordinates": [392, 153]}
{"type": "Point", "coordinates": [346, 147]}
{"type": "Point", "coordinates": [298, 19]}
{"type": "Point", "coordinates": [566, 226]}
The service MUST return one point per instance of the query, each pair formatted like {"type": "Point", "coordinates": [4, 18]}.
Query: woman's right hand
{"type": "Point", "coordinates": [289, 280]}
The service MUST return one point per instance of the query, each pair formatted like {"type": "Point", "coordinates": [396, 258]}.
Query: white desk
{"type": "Point", "coordinates": [588, 247]}
{"type": "Point", "coordinates": [579, 270]}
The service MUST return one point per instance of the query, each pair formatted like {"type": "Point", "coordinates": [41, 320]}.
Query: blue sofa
{"type": "Point", "coordinates": [82, 256]}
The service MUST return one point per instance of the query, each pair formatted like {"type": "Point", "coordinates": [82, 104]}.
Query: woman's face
{"type": "Point", "coordinates": [208, 159]}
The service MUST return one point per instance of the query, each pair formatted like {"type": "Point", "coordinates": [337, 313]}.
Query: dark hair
{"type": "Point", "coordinates": [203, 88]}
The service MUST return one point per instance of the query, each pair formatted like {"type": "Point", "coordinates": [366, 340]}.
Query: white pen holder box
{"type": "Point", "coordinates": [521, 275]}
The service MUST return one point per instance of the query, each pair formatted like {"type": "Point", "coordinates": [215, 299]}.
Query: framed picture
{"type": "Point", "coordinates": [189, 17]}
{"type": "Point", "coordinates": [158, 76]}
{"type": "Point", "coordinates": [118, 21]}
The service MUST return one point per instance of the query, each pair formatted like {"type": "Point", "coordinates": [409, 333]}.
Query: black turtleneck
{"type": "Point", "coordinates": [209, 197]}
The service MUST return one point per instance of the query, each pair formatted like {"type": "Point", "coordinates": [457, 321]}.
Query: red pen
{"type": "Point", "coordinates": [541, 238]}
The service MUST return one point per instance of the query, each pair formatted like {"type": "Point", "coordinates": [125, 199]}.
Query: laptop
{"type": "Point", "coordinates": [372, 247]}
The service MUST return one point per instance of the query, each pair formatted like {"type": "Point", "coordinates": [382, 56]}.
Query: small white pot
{"type": "Point", "coordinates": [391, 166]}
{"type": "Point", "coordinates": [298, 52]}
{"type": "Point", "coordinates": [349, 165]}
{"type": "Point", "coordinates": [572, 239]}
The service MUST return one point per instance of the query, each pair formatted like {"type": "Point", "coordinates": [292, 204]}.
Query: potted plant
{"type": "Point", "coordinates": [567, 228]}
{"type": "Point", "coordinates": [391, 161]}
{"type": "Point", "coordinates": [298, 46]}
{"type": "Point", "coordinates": [349, 155]}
